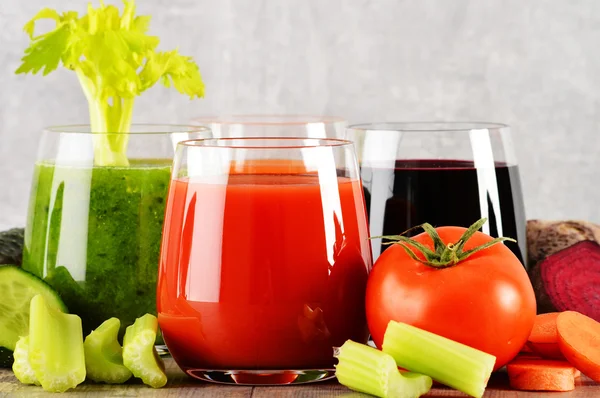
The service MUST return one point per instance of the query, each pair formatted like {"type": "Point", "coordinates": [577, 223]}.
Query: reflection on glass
{"type": "Point", "coordinates": [266, 244]}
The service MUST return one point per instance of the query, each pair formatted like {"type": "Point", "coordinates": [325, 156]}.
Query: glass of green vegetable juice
{"type": "Point", "coordinates": [95, 217]}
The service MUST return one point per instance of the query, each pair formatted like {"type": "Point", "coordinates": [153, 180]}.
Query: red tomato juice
{"type": "Point", "coordinates": [266, 271]}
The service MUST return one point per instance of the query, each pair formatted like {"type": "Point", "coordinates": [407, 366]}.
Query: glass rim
{"type": "Point", "coordinates": [428, 126]}
{"type": "Point", "coordinates": [315, 143]}
{"type": "Point", "coordinates": [269, 119]}
{"type": "Point", "coordinates": [136, 129]}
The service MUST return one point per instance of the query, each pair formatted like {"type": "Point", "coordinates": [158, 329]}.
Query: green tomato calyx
{"type": "Point", "coordinates": [444, 255]}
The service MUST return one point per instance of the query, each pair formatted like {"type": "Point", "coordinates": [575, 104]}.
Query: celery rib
{"type": "Point", "coordinates": [104, 355]}
{"type": "Point", "coordinates": [448, 362]}
{"type": "Point", "coordinates": [139, 354]}
{"type": "Point", "coordinates": [21, 367]}
{"type": "Point", "coordinates": [366, 369]}
{"type": "Point", "coordinates": [56, 352]}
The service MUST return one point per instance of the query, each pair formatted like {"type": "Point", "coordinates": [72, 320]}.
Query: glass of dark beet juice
{"type": "Point", "coordinates": [441, 173]}
{"type": "Point", "coordinates": [265, 258]}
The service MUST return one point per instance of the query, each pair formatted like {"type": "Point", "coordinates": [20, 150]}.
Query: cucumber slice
{"type": "Point", "coordinates": [21, 368]}
{"type": "Point", "coordinates": [139, 354]}
{"type": "Point", "coordinates": [17, 288]}
{"type": "Point", "coordinates": [104, 355]}
{"type": "Point", "coordinates": [56, 352]}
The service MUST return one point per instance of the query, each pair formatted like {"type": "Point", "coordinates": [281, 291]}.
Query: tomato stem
{"type": "Point", "coordinates": [443, 255]}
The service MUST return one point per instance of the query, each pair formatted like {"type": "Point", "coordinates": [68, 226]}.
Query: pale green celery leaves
{"type": "Point", "coordinates": [115, 61]}
{"type": "Point", "coordinates": [47, 50]}
{"type": "Point", "coordinates": [175, 70]}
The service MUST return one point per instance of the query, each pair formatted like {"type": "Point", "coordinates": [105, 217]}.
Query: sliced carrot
{"type": "Point", "coordinates": [579, 341]}
{"type": "Point", "coordinates": [541, 375]}
{"type": "Point", "coordinates": [528, 357]}
{"type": "Point", "coordinates": [544, 328]}
{"type": "Point", "coordinates": [547, 350]}
{"type": "Point", "coordinates": [543, 339]}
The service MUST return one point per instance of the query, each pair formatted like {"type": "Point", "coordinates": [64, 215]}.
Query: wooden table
{"type": "Point", "coordinates": [181, 385]}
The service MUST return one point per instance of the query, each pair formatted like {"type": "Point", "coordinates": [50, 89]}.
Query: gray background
{"type": "Point", "coordinates": [532, 64]}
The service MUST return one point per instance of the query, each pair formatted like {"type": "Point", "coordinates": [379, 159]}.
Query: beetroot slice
{"type": "Point", "coordinates": [571, 278]}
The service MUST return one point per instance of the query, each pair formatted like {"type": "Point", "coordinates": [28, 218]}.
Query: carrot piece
{"type": "Point", "coordinates": [578, 339]}
{"type": "Point", "coordinates": [544, 328]}
{"type": "Point", "coordinates": [543, 339]}
{"type": "Point", "coordinates": [541, 375]}
{"type": "Point", "coordinates": [547, 350]}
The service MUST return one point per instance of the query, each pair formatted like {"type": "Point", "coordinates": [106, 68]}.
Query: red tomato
{"type": "Point", "coordinates": [485, 301]}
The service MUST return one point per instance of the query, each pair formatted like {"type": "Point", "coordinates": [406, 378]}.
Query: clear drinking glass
{"type": "Point", "coordinates": [441, 173]}
{"type": "Point", "coordinates": [265, 259]}
{"type": "Point", "coordinates": [309, 126]}
{"type": "Point", "coordinates": [94, 227]}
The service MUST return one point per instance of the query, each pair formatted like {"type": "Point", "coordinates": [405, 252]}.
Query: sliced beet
{"type": "Point", "coordinates": [569, 280]}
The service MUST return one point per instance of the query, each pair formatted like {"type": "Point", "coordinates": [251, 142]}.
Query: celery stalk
{"type": "Point", "coordinates": [448, 362]}
{"type": "Point", "coordinates": [55, 347]}
{"type": "Point", "coordinates": [366, 369]}
{"type": "Point", "coordinates": [21, 367]}
{"type": "Point", "coordinates": [104, 355]}
{"type": "Point", "coordinates": [139, 354]}
{"type": "Point", "coordinates": [115, 60]}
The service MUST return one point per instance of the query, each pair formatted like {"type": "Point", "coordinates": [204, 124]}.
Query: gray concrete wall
{"type": "Point", "coordinates": [532, 64]}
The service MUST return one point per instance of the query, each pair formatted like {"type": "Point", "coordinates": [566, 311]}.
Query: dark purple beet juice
{"type": "Point", "coordinates": [444, 192]}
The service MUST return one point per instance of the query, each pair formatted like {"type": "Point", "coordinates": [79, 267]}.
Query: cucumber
{"type": "Point", "coordinates": [17, 288]}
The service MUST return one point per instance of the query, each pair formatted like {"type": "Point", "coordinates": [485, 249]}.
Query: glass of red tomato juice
{"type": "Point", "coordinates": [265, 257]}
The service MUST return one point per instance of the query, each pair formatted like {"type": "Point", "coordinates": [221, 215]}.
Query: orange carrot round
{"type": "Point", "coordinates": [544, 328]}
{"type": "Point", "coordinates": [543, 339]}
{"type": "Point", "coordinates": [541, 375]}
{"type": "Point", "coordinates": [578, 339]}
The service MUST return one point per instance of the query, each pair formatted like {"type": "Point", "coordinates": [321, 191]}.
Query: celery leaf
{"type": "Point", "coordinates": [115, 60]}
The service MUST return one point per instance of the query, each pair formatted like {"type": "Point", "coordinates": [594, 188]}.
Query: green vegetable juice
{"type": "Point", "coordinates": [93, 233]}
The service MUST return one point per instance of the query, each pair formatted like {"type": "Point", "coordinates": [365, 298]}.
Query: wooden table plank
{"type": "Point", "coordinates": [180, 385]}
{"type": "Point", "coordinates": [497, 388]}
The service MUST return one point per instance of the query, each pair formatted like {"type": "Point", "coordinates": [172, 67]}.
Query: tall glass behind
{"type": "Point", "coordinates": [305, 126]}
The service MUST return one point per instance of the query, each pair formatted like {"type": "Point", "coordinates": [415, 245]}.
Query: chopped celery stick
{"type": "Point", "coordinates": [21, 366]}
{"type": "Point", "coordinates": [139, 354]}
{"type": "Point", "coordinates": [446, 361]}
{"type": "Point", "coordinates": [366, 369]}
{"type": "Point", "coordinates": [55, 347]}
{"type": "Point", "coordinates": [104, 355]}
